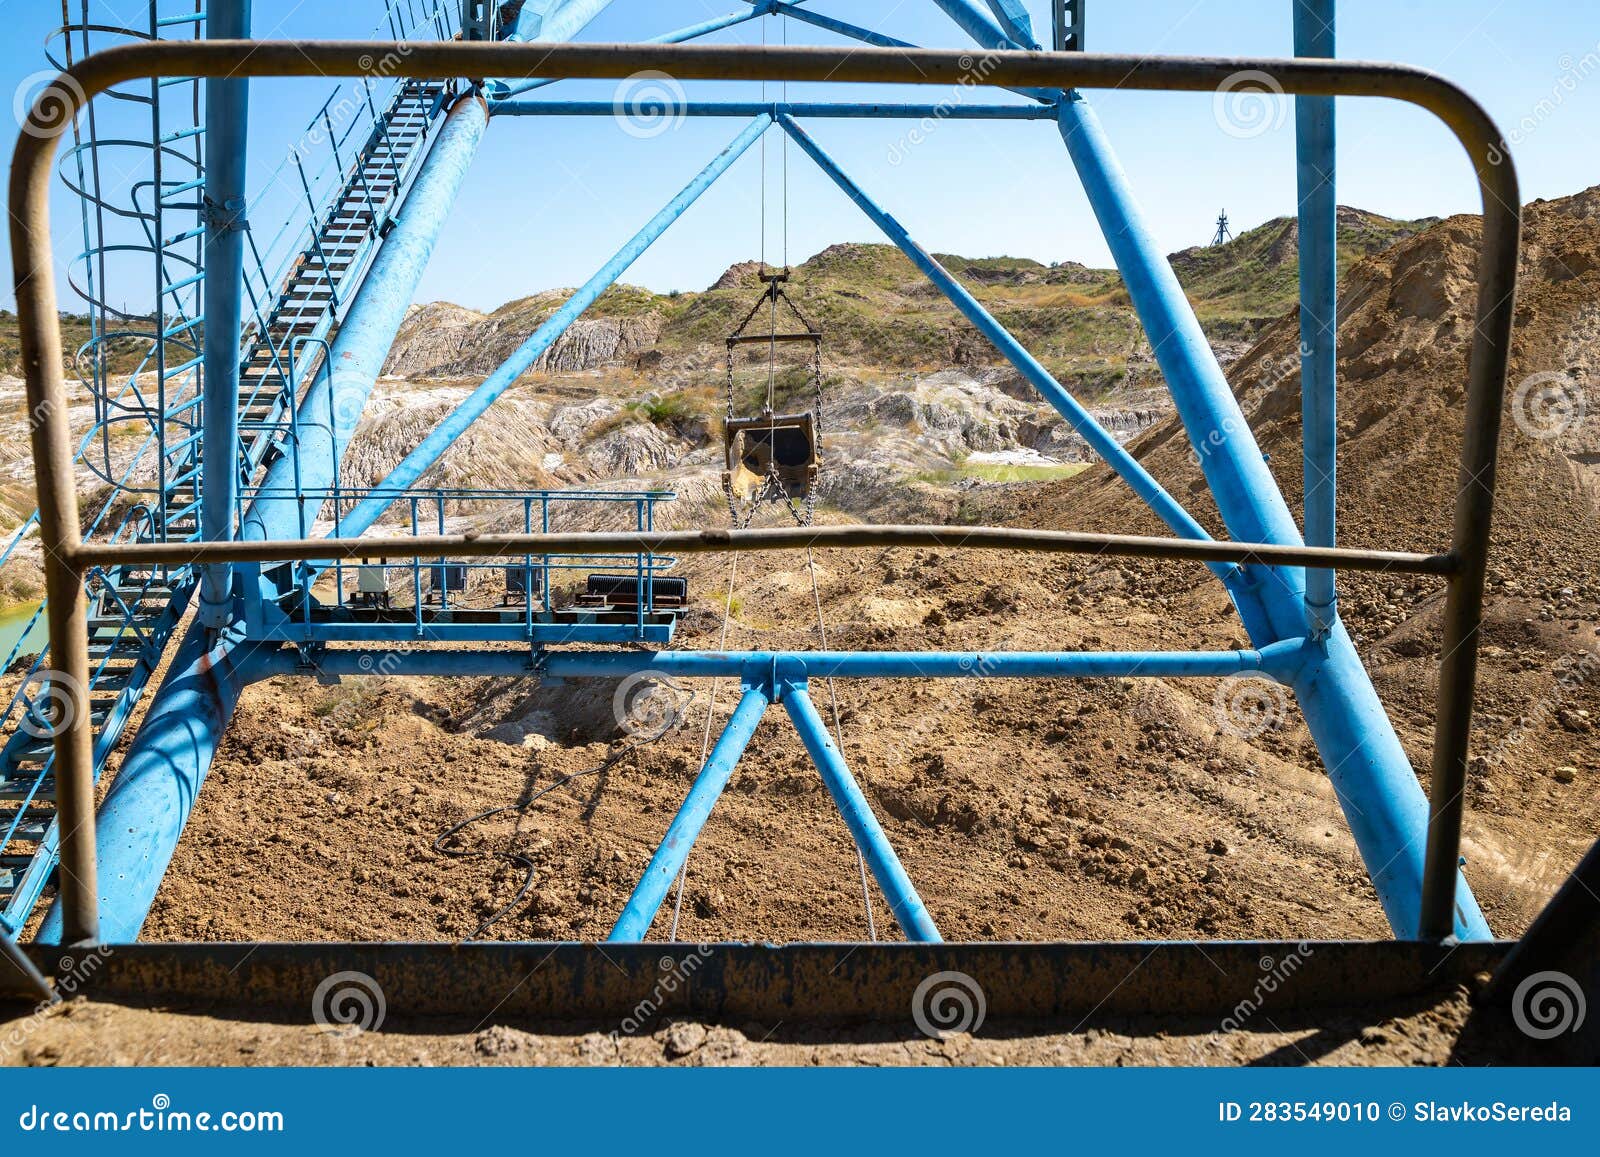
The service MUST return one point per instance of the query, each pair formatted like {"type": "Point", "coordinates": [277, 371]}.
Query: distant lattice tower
{"type": "Point", "coordinates": [1223, 234]}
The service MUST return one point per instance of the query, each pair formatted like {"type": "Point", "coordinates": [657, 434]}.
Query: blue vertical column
{"type": "Point", "coordinates": [227, 128]}
{"type": "Point", "coordinates": [1315, 146]}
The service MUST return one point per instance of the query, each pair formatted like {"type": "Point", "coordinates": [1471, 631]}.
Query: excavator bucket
{"type": "Point", "coordinates": [781, 446]}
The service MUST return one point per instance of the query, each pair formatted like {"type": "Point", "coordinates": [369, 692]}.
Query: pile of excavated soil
{"type": "Point", "coordinates": [1023, 810]}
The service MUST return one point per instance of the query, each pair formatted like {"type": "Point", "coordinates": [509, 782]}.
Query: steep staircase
{"type": "Point", "coordinates": [135, 611]}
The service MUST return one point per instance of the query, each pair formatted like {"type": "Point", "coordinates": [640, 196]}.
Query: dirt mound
{"type": "Point", "coordinates": [1026, 810]}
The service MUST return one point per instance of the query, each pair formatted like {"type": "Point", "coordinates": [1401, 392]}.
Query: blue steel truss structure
{"type": "Point", "coordinates": [263, 354]}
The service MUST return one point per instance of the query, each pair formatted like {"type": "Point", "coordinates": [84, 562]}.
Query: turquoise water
{"type": "Point", "coordinates": [14, 625]}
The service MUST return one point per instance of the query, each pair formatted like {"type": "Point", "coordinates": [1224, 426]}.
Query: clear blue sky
{"type": "Point", "coordinates": [548, 201]}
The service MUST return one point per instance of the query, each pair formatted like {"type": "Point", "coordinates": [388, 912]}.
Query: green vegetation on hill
{"type": "Point", "coordinates": [877, 309]}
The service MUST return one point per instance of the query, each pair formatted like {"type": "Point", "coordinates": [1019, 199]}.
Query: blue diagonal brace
{"type": "Point", "coordinates": [474, 405]}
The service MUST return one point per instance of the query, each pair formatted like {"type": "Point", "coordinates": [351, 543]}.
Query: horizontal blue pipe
{"type": "Point", "coordinates": [334, 402]}
{"type": "Point", "coordinates": [504, 88]}
{"type": "Point", "coordinates": [907, 906]}
{"type": "Point", "coordinates": [829, 109]}
{"type": "Point", "coordinates": [673, 852]}
{"type": "Point", "coordinates": [1103, 443]}
{"type": "Point", "coordinates": [798, 666]}
{"type": "Point", "coordinates": [415, 464]}
{"type": "Point", "coordinates": [138, 826]}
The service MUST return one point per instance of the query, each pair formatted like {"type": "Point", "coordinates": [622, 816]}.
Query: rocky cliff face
{"type": "Point", "coordinates": [441, 340]}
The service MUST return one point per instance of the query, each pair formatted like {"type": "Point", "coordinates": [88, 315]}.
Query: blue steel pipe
{"type": "Point", "coordinates": [1280, 659]}
{"type": "Point", "coordinates": [554, 20]}
{"type": "Point", "coordinates": [1316, 165]}
{"type": "Point", "coordinates": [835, 110]}
{"type": "Point", "coordinates": [138, 826]}
{"type": "Point", "coordinates": [504, 88]}
{"type": "Point", "coordinates": [868, 834]}
{"type": "Point", "coordinates": [876, 39]}
{"type": "Point", "coordinates": [673, 851]}
{"type": "Point", "coordinates": [287, 505]}
{"type": "Point", "coordinates": [1103, 443]}
{"type": "Point", "coordinates": [1377, 787]}
{"type": "Point", "coordinates": [549, 22]}
{"type": "Point", "coordinates": [227, 132]}
{"type": "Point", "coordinates": [1375, 784]}
{"type": "Point", "coordinates": [472, 407]}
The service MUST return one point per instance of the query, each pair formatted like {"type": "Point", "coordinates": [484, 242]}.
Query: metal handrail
{"type": "Point", "coordinates": [1466, 565]}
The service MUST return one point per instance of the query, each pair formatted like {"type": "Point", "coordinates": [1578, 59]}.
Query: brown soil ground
{"type": "Point", "coordinates": [1438, 1032]}
{"type": "Point", "coordinates": [1023, 810]}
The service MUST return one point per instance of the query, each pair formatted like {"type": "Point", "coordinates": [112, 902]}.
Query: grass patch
{"type": "Point", "coordinates": [1003, 472]}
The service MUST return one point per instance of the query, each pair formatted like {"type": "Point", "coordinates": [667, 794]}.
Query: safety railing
{"type": "Point", "coordinates": [419, 589]}
{"type": "Point", "coordinates": [69, 558]}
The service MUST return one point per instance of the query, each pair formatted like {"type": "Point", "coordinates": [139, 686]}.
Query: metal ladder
{"type": "Point", "coordinates": [135, 611]}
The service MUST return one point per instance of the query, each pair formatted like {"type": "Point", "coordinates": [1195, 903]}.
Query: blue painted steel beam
{"type": "Point", "coordinates": [415, 464]}
{"type": "Point", "coordinates": [1283, 658]}
{"type": "Point", "coordinates": [1376, 784]}
{"type": "Point", "coordinates": [673, 851]}
{"type": "Point", "coordinates": [138, 826]}
{"type": "Point", "coordinates": [227, 129]}
{"type": "Point", "coordinates": [1166, 507]}
{"type": "Point", "coordinates": [547, 22]}
{"type": "Point", "coordinates": [1316, 164]}
{"type": "Point", "coordinates": [833, 110]}
{"type": "Point", "coordinates": [877, 39]}
{"type": "Point", "coordinates": [292, 495]}
{"type": "Point", "coordinates": [554, 20]}
{"type": "Point", "coordinates": [907, 906]}
{"type": "Point", "coordinates": [506, 88]}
